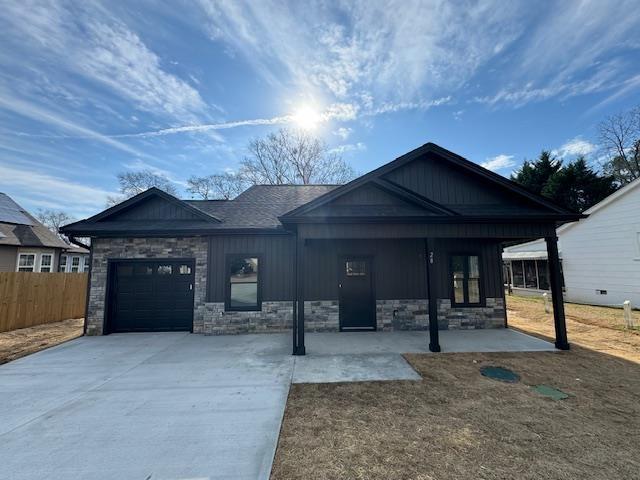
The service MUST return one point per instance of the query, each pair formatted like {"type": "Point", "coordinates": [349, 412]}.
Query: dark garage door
{"type": "Point", "coordinates": [151, 295]}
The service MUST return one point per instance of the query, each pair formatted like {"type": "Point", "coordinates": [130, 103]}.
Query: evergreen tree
{"type": "Point", "coordinates": [534, 174]}
{"type": "Point", "coordinates": [577, 187]}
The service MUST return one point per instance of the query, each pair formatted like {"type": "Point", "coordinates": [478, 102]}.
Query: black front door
{"type": "Point", "coordinates": [357, 303]}
{"type": "Point", "coordinates": [151, 295]}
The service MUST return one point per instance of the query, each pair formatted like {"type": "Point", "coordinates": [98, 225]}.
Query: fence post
{"type": "Point", "coordinates": [545, 296]}
{"type": "Point", "coordinates": [626, 307]}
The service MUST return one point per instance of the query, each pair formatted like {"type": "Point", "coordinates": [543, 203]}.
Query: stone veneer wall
{"type": "Point", "coordinates": [124, 248]}
{"type": "Point", "coordinates": [402, 314]}
{"type": "Point", "coordinates": [462, 318]}
{"type": "Point", "coordinates": [323, 315]}
{"type": "Point", "coordinates": [274, 317]}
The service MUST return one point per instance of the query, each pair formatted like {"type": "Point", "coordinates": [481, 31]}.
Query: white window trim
{"type": "Point", "coordinates": [50, 266]}
{"type": "Point", "coordinates": [35, 260]}
{"type": "Point", "coordinates": [63, 268]}
{"type": "Point", "coordinates": [70, 265]}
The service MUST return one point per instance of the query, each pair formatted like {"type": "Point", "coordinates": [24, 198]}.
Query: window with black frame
{"type": "Point", "coordinates": [465, 277]}
{"type": "Point", "coordinates": [243, 291]}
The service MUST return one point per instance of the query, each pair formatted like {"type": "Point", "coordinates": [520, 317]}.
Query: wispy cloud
{"type": "Point", "coordinates": [56, 120]}
{"type": "Point", "coordinates": [393, 50]}
{"type": "Point", "coordinates": [343, 132]}
{"type": "Point", "coordinates": [349, 147]}
{"type": "Point", "coordinates": [499, 162]}
{"type": "Point", "coordinates": [574, 147]}
{"type": "Point", "coordinates": [100, 48]}
{"type": "Point", "coordinates": [33, 186]}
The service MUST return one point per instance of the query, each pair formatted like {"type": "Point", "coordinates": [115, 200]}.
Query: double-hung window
{"type": "Point", "coordinates": [75, 264]}
{"type": "Point", "coordinates": [243, 283]}
{"type": "Point", "coordinates": [26, 262]}
{"type": "Point", "coordinates": [465, 278]}
{"type": "Point", "coordinates": [46, 262]}
{"type": "Point", "coordinates": [63, 263]}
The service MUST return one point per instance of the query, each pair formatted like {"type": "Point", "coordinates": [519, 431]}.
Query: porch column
{"type": "Point", "coordinates": [298, 318]}
{"type": "Point", "coordinates": [555, 280]}
{"type": "Point", "coordinates": [434, 335]}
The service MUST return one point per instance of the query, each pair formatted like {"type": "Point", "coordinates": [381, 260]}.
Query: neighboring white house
{"type": "Point", "coordinates": [600, 255]}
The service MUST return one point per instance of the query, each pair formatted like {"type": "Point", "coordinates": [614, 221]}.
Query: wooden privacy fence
{"type": "Point", "coordinates": [29, 298]}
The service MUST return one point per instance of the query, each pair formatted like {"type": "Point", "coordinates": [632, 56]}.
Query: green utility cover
{"type": "Point", "coordinates": [551, 392]}
{"type": "Point", "coordinates": [501, 374]}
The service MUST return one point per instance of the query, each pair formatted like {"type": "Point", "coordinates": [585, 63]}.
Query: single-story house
{"type": "Point", "coordinates": [600, 256]}
{"type": "Point", "coordinates": [26, 245]}
{"type": "Point", "coordinates": [414, 244]}
{"type": "Point", "coordinates": [526, 267]}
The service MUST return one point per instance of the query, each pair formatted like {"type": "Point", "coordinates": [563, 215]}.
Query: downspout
{"type": "Point", "coordinates": [86, 305]}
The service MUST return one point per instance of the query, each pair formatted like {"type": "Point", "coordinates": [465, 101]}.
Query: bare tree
{"type": "Point", "coordinates": [620, 137]}
{"type": "Point", "coordinates": [218, 186]}
{"type": "Point", "coordinates": [54, 219]}
{"type": "Point", "coordinates": [133, 183]}
{"type": "Point", "coordinates": [294, 157]}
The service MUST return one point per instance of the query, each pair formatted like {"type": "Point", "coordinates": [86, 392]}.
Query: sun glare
{"type": "Point", "coordinates": [307, 118]}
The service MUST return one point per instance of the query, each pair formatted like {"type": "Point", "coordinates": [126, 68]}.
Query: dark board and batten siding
{"type": "Point", "coordinates": [450, 186]}
{"type": "Point", "coordinates": [398, 267]}
{"type": "Point", "coordinates": [155, 208]}
{"type": "Point", "coordinates": [490, 261]}
{"type": "Point", "coordinates": [497, 231]}
{"type": "Point", "coordinates": [277, 255]}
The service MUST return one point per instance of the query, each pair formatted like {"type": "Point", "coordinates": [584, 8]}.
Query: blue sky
{"type": "Point", "coordinates": [90, 89]}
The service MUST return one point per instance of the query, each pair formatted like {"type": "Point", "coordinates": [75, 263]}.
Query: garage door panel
{"type": "Point", "coordinates": [154, 295]}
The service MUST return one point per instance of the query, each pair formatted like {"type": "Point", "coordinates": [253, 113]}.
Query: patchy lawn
{"type": "Point", "coordinates": [597, 328]}
{"type": "Point", "coordinates": [457, 424]}
{"type": "Point", "coordinates": [18, 343]}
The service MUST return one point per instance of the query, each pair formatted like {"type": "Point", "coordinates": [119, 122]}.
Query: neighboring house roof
{"type": "Point", "coordinates": [19, 228]}
{"type": "Point", "coordinates": [534, 250]}
{"type": "Point", "coordinates": [267, 208]}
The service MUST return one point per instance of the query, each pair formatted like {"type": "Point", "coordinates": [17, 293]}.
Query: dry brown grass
{"type": "Point", "coordinates": [24, 341]}
{"type": "Point", "coordinates": [456, 424]}
{"type": "Point", "coordinates": [597, 328]}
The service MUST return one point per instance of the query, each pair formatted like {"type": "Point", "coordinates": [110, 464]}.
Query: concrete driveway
{"type": "Point", "coordinates": [145, 406]}
{"type": "Point", "coordinates": [180, 406]}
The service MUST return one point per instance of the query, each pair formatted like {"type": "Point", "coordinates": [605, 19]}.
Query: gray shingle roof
{"type": "Point", "coordinates": [261, 205]}
{"type": "Point", "coordinates": [29, 232]}
{"type": "Point", "coordinates": [257, 208]}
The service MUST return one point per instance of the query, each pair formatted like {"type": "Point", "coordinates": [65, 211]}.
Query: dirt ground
{"type": "Point", "coordinates": [457, 424]}
{"type": "Point", "coordinates": [597, 328]}
{"type": "Point", "coordinates": [18, 343]}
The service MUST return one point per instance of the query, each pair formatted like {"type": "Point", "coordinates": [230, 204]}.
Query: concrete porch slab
{"type": "Point", "coordinates": [490, 340]}
{"type": "Point", "coordinates": [352, 368]}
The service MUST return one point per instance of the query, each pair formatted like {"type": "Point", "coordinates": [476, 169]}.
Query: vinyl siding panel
{"type": "Point", "coordinates": [603, 253]}
{"type": "Point", "coordinates": [8, 258]}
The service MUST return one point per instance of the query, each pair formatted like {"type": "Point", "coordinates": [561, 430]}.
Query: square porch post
{"type": "Point", "coordinates": [434, 334]}
{"type": "Point", "coordinates": [298, 305]}
{"type": "Point", "coordinates": [555, 279]}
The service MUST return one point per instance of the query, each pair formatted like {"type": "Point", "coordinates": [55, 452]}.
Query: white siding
{"type": "Point", "coordinates": [603, 253]}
